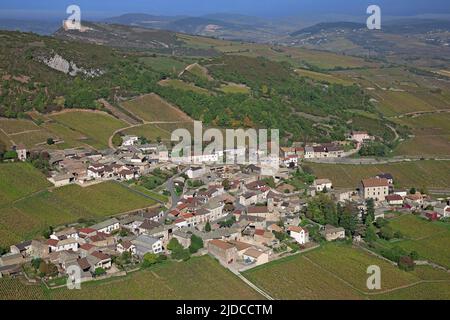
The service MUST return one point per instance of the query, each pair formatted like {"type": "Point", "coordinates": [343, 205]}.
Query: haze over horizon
{"type": "Point", "coordinates": [55, 9]}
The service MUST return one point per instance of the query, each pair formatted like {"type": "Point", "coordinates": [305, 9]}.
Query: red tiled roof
{"type": "Point", "coordinates": [296, 229]}
{"type": "Point", "coordinates": [87, 230]}
{"type": "Point", "coordinates": [259, 232]}
{"type": "Point", "coordinates": [87, 246]}
{"type": "Point", "coordinates": [52, 242]}
{"type": "Point", "coordinates": [257, 209]}
{"type": "Point", "coordinates": [394, 197]}
{"type": "Point", "coordinates": [100, 255]}
{"type": "Point", "coordinates": [375, 182]}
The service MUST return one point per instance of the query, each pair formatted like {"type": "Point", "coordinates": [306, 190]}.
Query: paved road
{"type": "Point", "coordinates": [370, 160]}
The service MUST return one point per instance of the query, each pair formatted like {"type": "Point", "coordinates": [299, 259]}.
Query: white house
{"type": "Point", "coordinates": [248, 199]}
{"type": "Point", "coordinates": [290, 161]}
{"type": "Point", "coordinates": [129, 141]}
{"type": "Point", "coordinates": [126, 246]}
{"type": "Point", "coordinates": [394, 200]}
{"type": "Point", "coordinates": [63, 245]}
{"type": "Point", "coordinates": [309, 152]}
{"type": "Point", "coordinates": [195, 172]}
{"type": "Point", "coordinates": [107, 226]}
{"type": "Point", "coordinates": [146, 244]}
{"type": "Point", "coordinates": [443, 209]}
{"type": "Point", "coordinates": [321, 184]}
{"type": "Point", "coordinates": [299, 234]}
{"type": "Point", "coordinates": [359, 136]}
{"type": "Point", "coordinates": [21, 152]}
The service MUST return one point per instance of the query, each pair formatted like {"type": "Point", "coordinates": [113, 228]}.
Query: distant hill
{"type": "Point", "coordinates": [331, 26]}
{"type": "Point", "coordinates": [130, 37]}
{"type": "Point", "coordinates": [42, 27]}
{"type": "Point", "coordinates": [219, 25]}
{"type": "Point", "coordinates": [396, 41]}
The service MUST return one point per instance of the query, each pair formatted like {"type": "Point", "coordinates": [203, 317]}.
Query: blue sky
{"type": "Point", "coordinates": [105, 8]}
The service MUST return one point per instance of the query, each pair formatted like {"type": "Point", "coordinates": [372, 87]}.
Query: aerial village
{"type": "Point", "coordinates": [236, 213]}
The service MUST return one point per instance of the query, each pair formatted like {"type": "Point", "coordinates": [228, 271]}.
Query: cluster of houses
{"type": "Point", "coordinates": [243, 219]}
{"type": "Point", "coordinates": [83, 166]}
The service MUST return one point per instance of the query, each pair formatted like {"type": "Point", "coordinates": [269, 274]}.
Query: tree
{"type": "Point", "coordinates": [174, 245]}
{"type": "Point", "coordinates": [47, 233]}
{"type": "Point", "coordinates": [371, 235]}
{"type": "Point", "coordinates": [207, 227]}
{"type": "Point", "coordinates": [226, 184]}
{"type": "Point", "coordinates": [413, 191]}
{"type": "Point", "coordinates": [387, 233]}
{"type": "Point", "coordinates": [406, 263]}
{"type": "Point", "coordinates": [347, 216]}
{"type": "Point", "coordinates": [149, 260]}
{"type": "Point", "coordinates": [369, 217]}
{"type": "Point", "coordinates": [10, 155]}
{"type": "Point", "coordinates": [196, 244]}
{"type": "Point", "coordinates": [99, 272]}
{"type": "Point", "coordinates": [50, 141]}
{"type": "Point", "coordinates": [36, 262]}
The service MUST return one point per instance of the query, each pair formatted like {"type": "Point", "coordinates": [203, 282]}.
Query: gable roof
{"type": "Point", "coordinates": [221, 244]}
{"type": "Point", "coordinates": [375, 182]}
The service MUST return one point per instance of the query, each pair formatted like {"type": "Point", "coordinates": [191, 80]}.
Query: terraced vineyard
{"type": "Point", "coordinates": [28, 206]}
{"type": "Point", "coordinates": [337, 271]}
{"type": "Point", "coordinates": [432, 174]}
{"type": "Point", "coordinates": [200, 278]}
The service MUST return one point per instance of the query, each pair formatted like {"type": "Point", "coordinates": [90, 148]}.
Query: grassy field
{"type": "Point", "coordinates": [181, 85]}
{"type": "Point", "coordinates": [431, 174]}
{"type": "Point", "coordinates": [67, 204]}
{"type": "Point", "coordinates": [337, 271]}
{"type": "Point", "coordinates": [295, 56]}
{"type": "Point", "coordinates": [235, 88]}
{"type": "Point", "coordinates": [430, 240]}
{"type": "Point", "coordinates": [431, 135]}
{"type": "Point", "coordinates": [200, 278]}
{"type": "Point", "coordinates": [28, 206]}
{"type": "Point", "coordinates": [18, 180]}
{"type": "Point", "coordinates": [421, 291]}
{"type": "Point", "coordinates": [153, 108]}
{"type": "Point", "coordinates": [97, 127]}
{"type": "Point", "coordinates": [14, 126]}
{"type": "Point", "coordinates": [164, 64]}
{"type": "Point", "coordinates": [322, 77]}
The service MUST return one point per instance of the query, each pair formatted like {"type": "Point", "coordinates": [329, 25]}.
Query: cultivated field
{"type": "Point", "coordinates": [96, 127]}
{"type": "Point", "coordinates": [430, 240]}
{"type": "Point", "coordinates": [181, 85]}
{"type": "Point", "coordinates": [337, 271]}
{"type": "Point", "coordinates": [432, 135]}
{"type": "Point", "coordinates": [200, 278]}
{"type": "Point", "coordinates": [153, 108]}
{"type": "Point", "coordinates": [18, 180]}
{"type": "Point", "coordinates": [431, 174]}
{"type": "Point", "coordinates": [164, 64]}
{"type": "Point", "coordinates": [28, 206]}
{"type": "Point", "coordinates": [322, 77]}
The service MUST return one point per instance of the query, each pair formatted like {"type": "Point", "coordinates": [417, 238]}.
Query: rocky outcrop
{"type": "Point", "coordinates": [58, 63]}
